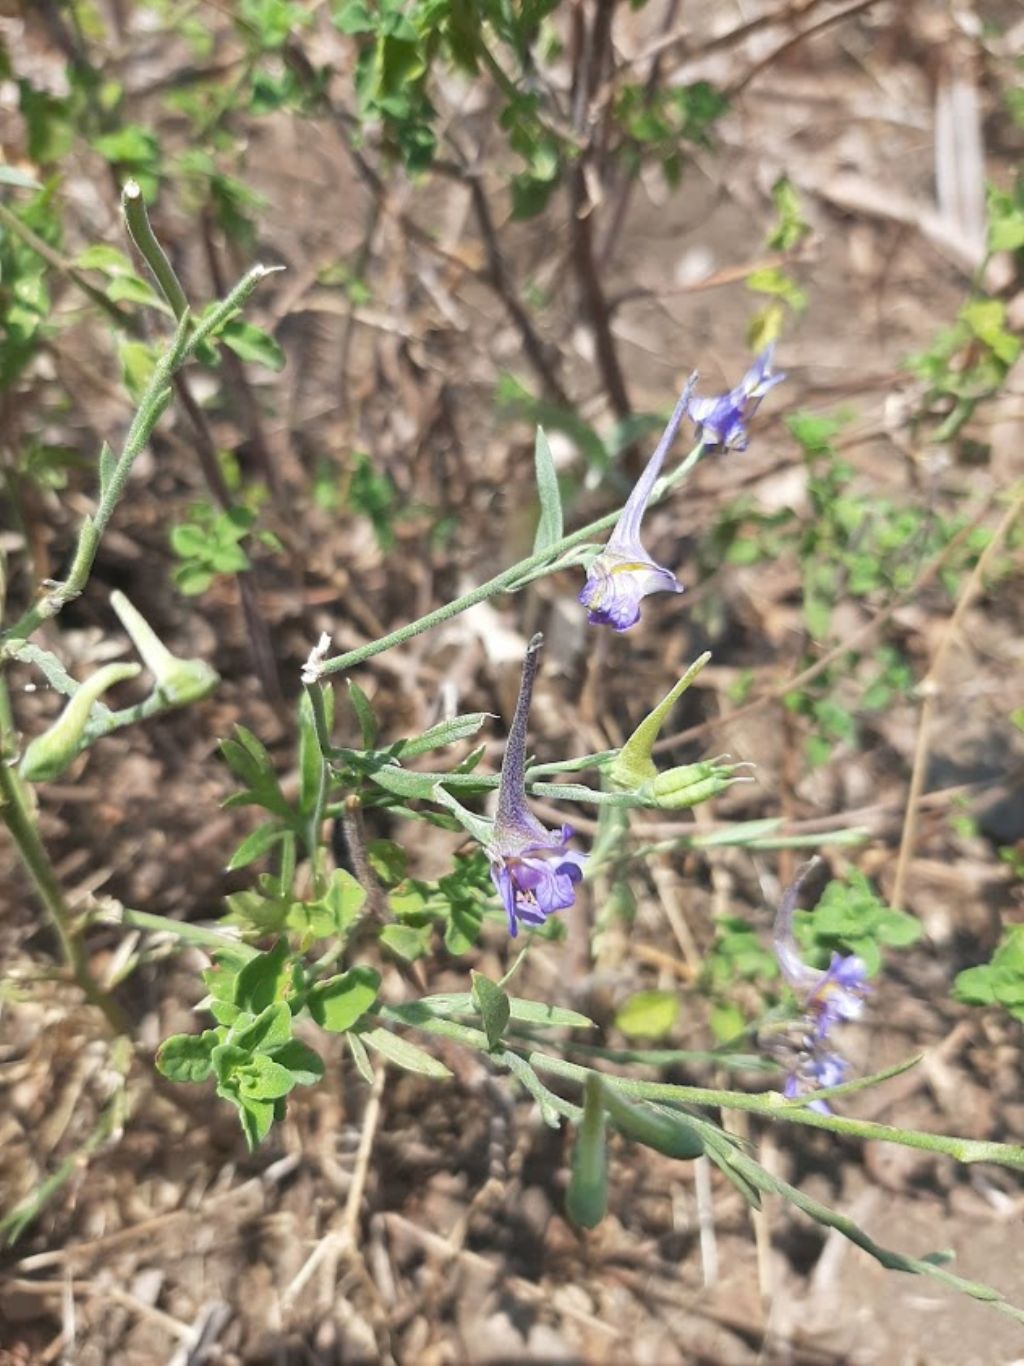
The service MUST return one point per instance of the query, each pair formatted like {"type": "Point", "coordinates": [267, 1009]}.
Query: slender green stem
{"type": "Point", "coordinates": [114, 477]}
{"type": "Point", "coordinates": [774, 1106]}
{"type": "Point", "coordinates": [501, 582]}
{"type": "Point", "coordinates": [15, 815]}
{"type": "Point", "coordinates": [141, 232]}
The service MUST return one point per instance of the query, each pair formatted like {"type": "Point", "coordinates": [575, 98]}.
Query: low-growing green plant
{"type": "Point", "coordinates": [208, 544]}
{"type": "Point", "coordinates": [307, 947]}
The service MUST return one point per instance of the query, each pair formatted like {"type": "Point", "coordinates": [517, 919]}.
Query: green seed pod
{"type": "Point", "coordinates": [666, 1131]}
{"type": "Point", "coordinates": [50, 754]}
{"type": "Point", "coordinates": [179, 681]}
{"type": "Point", "coordinates": [586, 1200]}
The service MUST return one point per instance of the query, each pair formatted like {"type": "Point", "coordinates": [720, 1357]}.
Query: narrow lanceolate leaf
{"type": "Point", "coordinates": [525, 1012]}
{"type": "Point", "coordinates": [364, 714]}
{"type": "Point", "coordinates": [255, 844]}
{"type": "Point", "coordinates": [586, 1200]}
{"type": "Point", "coordinates": [403, 1053]}
{"type": "Point", "coordinates": [493, 1006]}
{"type": "Point", "coordinates": [549, 526]}
{"type": "Point", "coordinates": [404, 783]}
{"type": "Point", "coordinates": [107, 464]}
{"type": "Point", "coordinates": [763, 1180]}
{"type": "Point", "coordinates": [360, 1057]}
{"type": "Point", "coordinates": [444, 733]}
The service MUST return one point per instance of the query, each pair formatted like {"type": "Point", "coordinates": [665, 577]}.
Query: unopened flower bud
{"type": "Point", "coordinates": [692, 784]}
{"type": "Point", "coordinates": [50, 754]}
{"type": "Point", "coordinates": [179, 681]}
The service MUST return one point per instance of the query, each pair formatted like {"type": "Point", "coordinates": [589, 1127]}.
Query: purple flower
{"type": "Point", "coordinates": [722, 419]}
{"type": "Point", "coordinates": [827, 998]}
{"type": "Point", "coordinates": [533, 871]}
{"type": "Point", "coordinates": [815, 1070]}
{"type": "Point", "coordinates": [624, 573]}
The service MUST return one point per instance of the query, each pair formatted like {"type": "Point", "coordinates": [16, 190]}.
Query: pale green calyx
{"type": "Point", "coordinates": [634, 767]}
{"type": "Point", "coordinates": [179, 681]}
{"type": "Point", "coordinates": [50, 754]}
{"type": "Point", "coordinates": [692, 784]}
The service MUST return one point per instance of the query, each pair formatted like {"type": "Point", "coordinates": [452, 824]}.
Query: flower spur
{"type": "Point", "coordinates": [623, 574]}
{"type": "Point", "coordinates": [533, 871]}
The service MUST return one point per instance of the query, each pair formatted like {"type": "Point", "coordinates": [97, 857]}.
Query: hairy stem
{"type": "Point", "coordinates": [505, 580]}
{"type": "Point", "coordinates": [15, 815]}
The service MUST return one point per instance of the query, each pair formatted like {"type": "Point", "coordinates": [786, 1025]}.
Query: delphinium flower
{"type": "Point", "coordinates": [721, 420]}
{"type": "Point", "coordinates": [828, 997]}
{"type": "Point", "coordinates": [624, 573]}
{"type": "Point", "coordinates": [534, 872]}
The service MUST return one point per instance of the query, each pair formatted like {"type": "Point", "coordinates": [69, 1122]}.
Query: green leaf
{"type": "Point", "coordinates": [256, 1117]}
{"type": "Point", "coordinates": [406, 941]}
{"type": "Point", "coordinates": [129, 145]}
{"type": "Point", "coordinates": [270, 1028]}
{"type": "Point", "coordinates": [137, 364]}
{"type": "Point", "coordinates": [388, 860]}
{"type": "Point", "coordinates": [340, 1001]}
{"type": "Point", "coordinates": [364, 713]}
{"type": "Point", "coordinates": [189, 541]}
{"type": "Point", "coordinates": [101, 257]}
{"type": "Point", "coordinates": [360, 1057]}
{"type": "Point", "coordinates": [186, 1057]}
{"type": "Point", "coordinates": [311, 759]}
{"type": "Point", "coordinates": [648, 1014]}
{"type": "Point", "coordinates": [130, 289]}
{"type": "Point", "coordinates": [549, 526]}
{"type": "Point", "coordinates": [339, 907]}
{"type": "Point", "coordinates": [403, 1053]}
{"type": "Point", "coordinates": [107, 465]}
{"type": "Point", "coordinates": [444, 733]}
{"type": "Point", "coordinates": [305, 1065]}
{"type": "Point", "coordinates": [264, 1079]}
{"type": "Point", "coordinates": [463, 929]}
{"type": "Point", "coordinates": [899, 929]}
{"type": "Point", "coordinates": [525, 1012]}
{"type": "Point", "coordinates": [404, 783]}
{"type": "Point", "coordinates": [251, 343]}
{"type": "Point", "coordinates": [255, 845]}
{"type": "Point", "coordinates": [494, 1008]}
{"type": "Point", "coordinates": [224, 1012]}
{"type": "Point", "coordinates": [227, 1058]}
{"type": "Point", "coordinates": [264, 979]}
